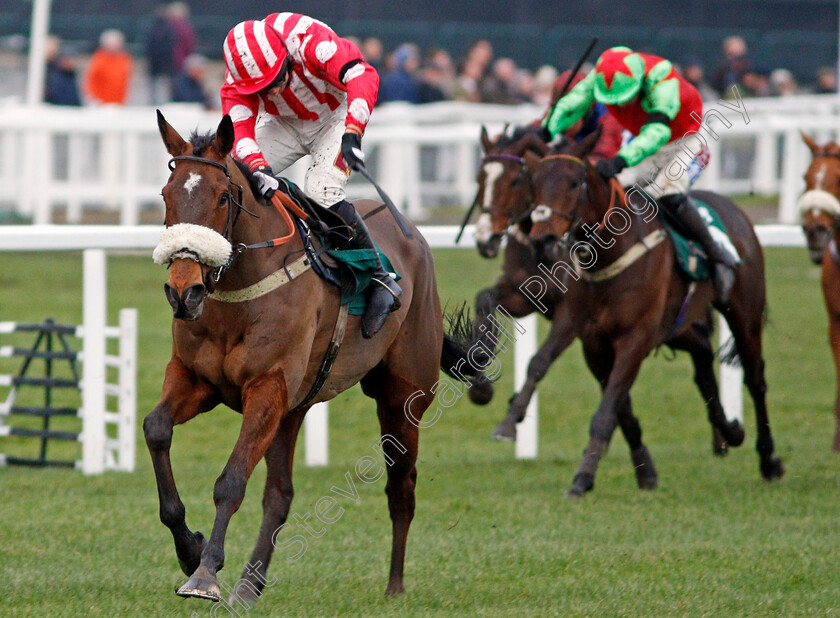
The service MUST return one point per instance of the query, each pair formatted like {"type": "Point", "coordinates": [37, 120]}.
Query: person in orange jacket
{"type": "Point", "coordinates": [109, 73]}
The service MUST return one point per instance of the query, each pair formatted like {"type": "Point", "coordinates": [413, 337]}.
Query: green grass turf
{"type": "Point", "coordinates": [492, 536]}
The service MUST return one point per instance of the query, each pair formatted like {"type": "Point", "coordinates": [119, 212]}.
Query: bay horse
{"type": "Point", "coordinates": [261, 355]}
{"type": "Point", "coordinates": [630, 299]}
{"type": "Point", "coordinates": [505, 190]}
{"type": "Point", "coordinates": [505, 194]}
{"type": "Point", "coordinates": [819, 208]}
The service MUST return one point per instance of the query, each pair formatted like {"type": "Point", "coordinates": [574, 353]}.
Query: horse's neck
{"type": "Point", "coordinates": [606, 232]}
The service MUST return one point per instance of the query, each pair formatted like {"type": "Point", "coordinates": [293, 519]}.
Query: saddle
{"type": "Point", "coordinates": [691, 258]}
{"type": "Point", "coordinates": [326, 238]}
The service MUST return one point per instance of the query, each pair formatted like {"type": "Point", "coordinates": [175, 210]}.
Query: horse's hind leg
{"type": "Point", "coordinates": [394, 396]}
{"type": "Point", "coordinates": [726, 432]}
{"type": "Point", "coordinates": [177, 405]}
{"type": "Point", "coordinates": [746, 329]}
{"type": "Point", "coordinates": [277, 499]}
{"type": "Point", "coordinates": [264, 401]}
{"type": "Point", "coordinates": [834, 339]}
{"type": "Point", "coordinates": [561, 336]}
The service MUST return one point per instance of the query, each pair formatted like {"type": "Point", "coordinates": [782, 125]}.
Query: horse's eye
{"type": "Point", "coordinates": [515, 181]}
{"type": "Point", "coordinates": [223, 200]}
{"type": "Point", "coordinates": [575, 184]}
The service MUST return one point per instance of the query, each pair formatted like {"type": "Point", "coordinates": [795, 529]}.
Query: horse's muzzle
{"type": "Point", "coordinates": [490, 248]}
{"type": "Point", "coordinates": [547, 249]}
{"type": "Point", "coordinates": [187, 305]}
{"type": "Point", "coordinates": [817, 238]}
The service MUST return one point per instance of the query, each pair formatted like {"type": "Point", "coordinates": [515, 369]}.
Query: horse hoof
{"type": "Point", "coordinates": [481, 394]}
{"type": "Point", "coordinates": [202, 585]}
{"type": "Point", "coordinates": [394, 588]}
{"type": "Point", "coordinates": [582, 483]}
{"type": "Point", "coordinates": [646, 477]}
{"type": "Point", "coordinates": [506, 432]}
{"type": "Point", "coordinates": [191, 565]}
{"type": "Point", "coordinates": [734, 433]}
{"type": "Point", "coordinates": [720, 449]}
{"type": "Point", "coordinates": [772, 469]}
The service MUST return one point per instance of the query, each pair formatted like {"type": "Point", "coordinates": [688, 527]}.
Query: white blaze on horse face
{"type": "Point", "coordinates": [192, 183]}
{"type": "Point", "coordinates": [483, 228]}
{"type": "Point", "coordinates": [492, 170]}
{"type": "Point", "coordinates": [820, 177]}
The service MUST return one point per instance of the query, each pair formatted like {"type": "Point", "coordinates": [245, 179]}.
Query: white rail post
{"type": "Point", "coordinates": [316, 447]}
{"type": "Point", "coordinates": [731, 377]}
{"type": "Point", "coordinates": [792, 184]}
{"type": "Point", "coordinates": [93, 375]}
{"type": "Point", "coordinates": [524, 350]}
{"type": "Point", "coordinates": [127, 404]}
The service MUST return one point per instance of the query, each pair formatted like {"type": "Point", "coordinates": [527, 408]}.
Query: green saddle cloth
{"type": "Point", "coordinates": [691, 257]}
{"type": "Point", "coordinates": [357, 267]}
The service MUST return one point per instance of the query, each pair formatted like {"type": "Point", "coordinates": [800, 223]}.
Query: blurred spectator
{"type": "Point", "coordinates": [109, 72]}
{"type": "Point", "coordinates": [401, 83]}
{"type": "Point", "coordinates": [183, 33]}
{"type": "Point", "coordinates": [373, 53]}
{"type": "Point", "coordinates": [432, 79]}
{"type": "Point", "coordinates": [523, 83]}
{"type": "Point", "coordinates": [783, 83]}
{"type": "Point", "coordinates": [188, 87]}
{"type": "Point", "coordinates": [160, 45]}
{"type": "Point", "coordinates": [60, 87]}
{"type": "Point", "coordinates": [826, 80]}
{"type": "Point", "coordinates": [443, 62]}
{"type": "Point", "coordinates": [479, 55]}
{"type": "Point", "coordinates": [755, 82]}
{"type": "Point", "coordinates": [693, 73]}
{"type": "Point", "coordinates": [543, 83]}
{"type": "Point", "coordinates": [466, 84]}
{"type": "Point", "coordinates": [733, 66]}
{"type": "Point", "coordinates": [499, 87]}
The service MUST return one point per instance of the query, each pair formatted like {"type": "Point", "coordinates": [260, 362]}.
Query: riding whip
{"type": "Point", "coordinates": [391, 207]}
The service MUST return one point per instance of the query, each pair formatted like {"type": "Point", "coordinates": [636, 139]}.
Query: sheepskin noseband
{"type": "Point", "coordinates": [187, 240]}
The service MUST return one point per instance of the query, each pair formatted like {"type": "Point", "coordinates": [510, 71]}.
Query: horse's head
{"type": "Point", "coordinates": [199, 200]}
{"type": "Point", "coordinates": [819, 206]}
{"type": "Point", "coordinates": [561, 188]}
{"type": "Point", "coordinates": [504, 186]}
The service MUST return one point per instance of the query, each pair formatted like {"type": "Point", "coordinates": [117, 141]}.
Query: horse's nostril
{"type": "Point", "coordinates": [193, 296]}
{"type": "Point", "coordinates": [171, 296]}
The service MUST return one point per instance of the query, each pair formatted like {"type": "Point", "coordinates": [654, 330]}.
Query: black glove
{"type": "Point", "coordinates": [608, 168]}
{"type": "Point", "coordinates": [266, 182]}
{"type": "Point", "coordinates": [544, 134]}
{"type": "Point", "coordinates": [351, 151]}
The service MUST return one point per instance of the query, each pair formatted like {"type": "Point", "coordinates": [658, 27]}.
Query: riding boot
{"type": "Point", "coordinates": [384, 293]}
{"type": "Point", "coordinates": [724, 262]}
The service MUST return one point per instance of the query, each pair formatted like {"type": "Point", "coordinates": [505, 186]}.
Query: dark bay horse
{"type": "Point", "coordinates": [505, 190]}
{"type": "Point", "coordinates": [819, 207]}
{"type": "Point", "coordinates": [630, 298]}
{"type": "Point", "coordinates": [259, 355]}
{"type": "Point", "coordinates": [505, 194]}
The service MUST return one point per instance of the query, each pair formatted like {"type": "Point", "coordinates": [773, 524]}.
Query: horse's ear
{"type": "Point", "coordinates": [224, 137]}
{"type": "Point", "coordinates": [486, 144]}
{"type": "Point", "coordinates": [532, 160]}
{"type": "Point", "coordinates": [812, 145]}
{"type": "Point", "coordinates": [175, 144]}
{"type": "Point", "coordinates": [588, 143]}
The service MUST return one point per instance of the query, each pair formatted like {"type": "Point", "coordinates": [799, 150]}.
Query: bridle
{"type": "Point", "coordinates": [574, 217]}
{"type": "Point", "coordinates": [232, 188]}
{"type": "Point", "coordinates": [524, 173]}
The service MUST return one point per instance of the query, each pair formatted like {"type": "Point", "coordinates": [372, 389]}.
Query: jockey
{"type": "Point", "coordinates": [654, 103]}
{"type": "Point", "coordinates": [597, 116]}
{"type": "Point", "coordinates": [292, 88]}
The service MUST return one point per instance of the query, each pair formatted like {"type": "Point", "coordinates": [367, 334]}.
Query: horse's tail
{"type": "Point", "coordinates": [460, 354]}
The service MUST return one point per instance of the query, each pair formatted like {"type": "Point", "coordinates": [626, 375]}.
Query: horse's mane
{"type": "Point", "coordinates": [201, 142]}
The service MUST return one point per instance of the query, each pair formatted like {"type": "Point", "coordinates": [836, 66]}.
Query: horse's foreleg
{"type": "Point", "coordinates": [183, 398]}
{"type": "Point", "coordinates": [277, 499]}
{"type": "Point", "coordinates": [834, 339]}
{"type": "Point", "coordinates": [561, 336]}
{"type": "Point", "coordinates": [630, 350]}
{"type": "Point", "coordinates": [264, 401]}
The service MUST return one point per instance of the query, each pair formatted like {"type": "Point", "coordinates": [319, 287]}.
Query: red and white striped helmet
{"type": "Point", "coordinates": [254, 55]}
